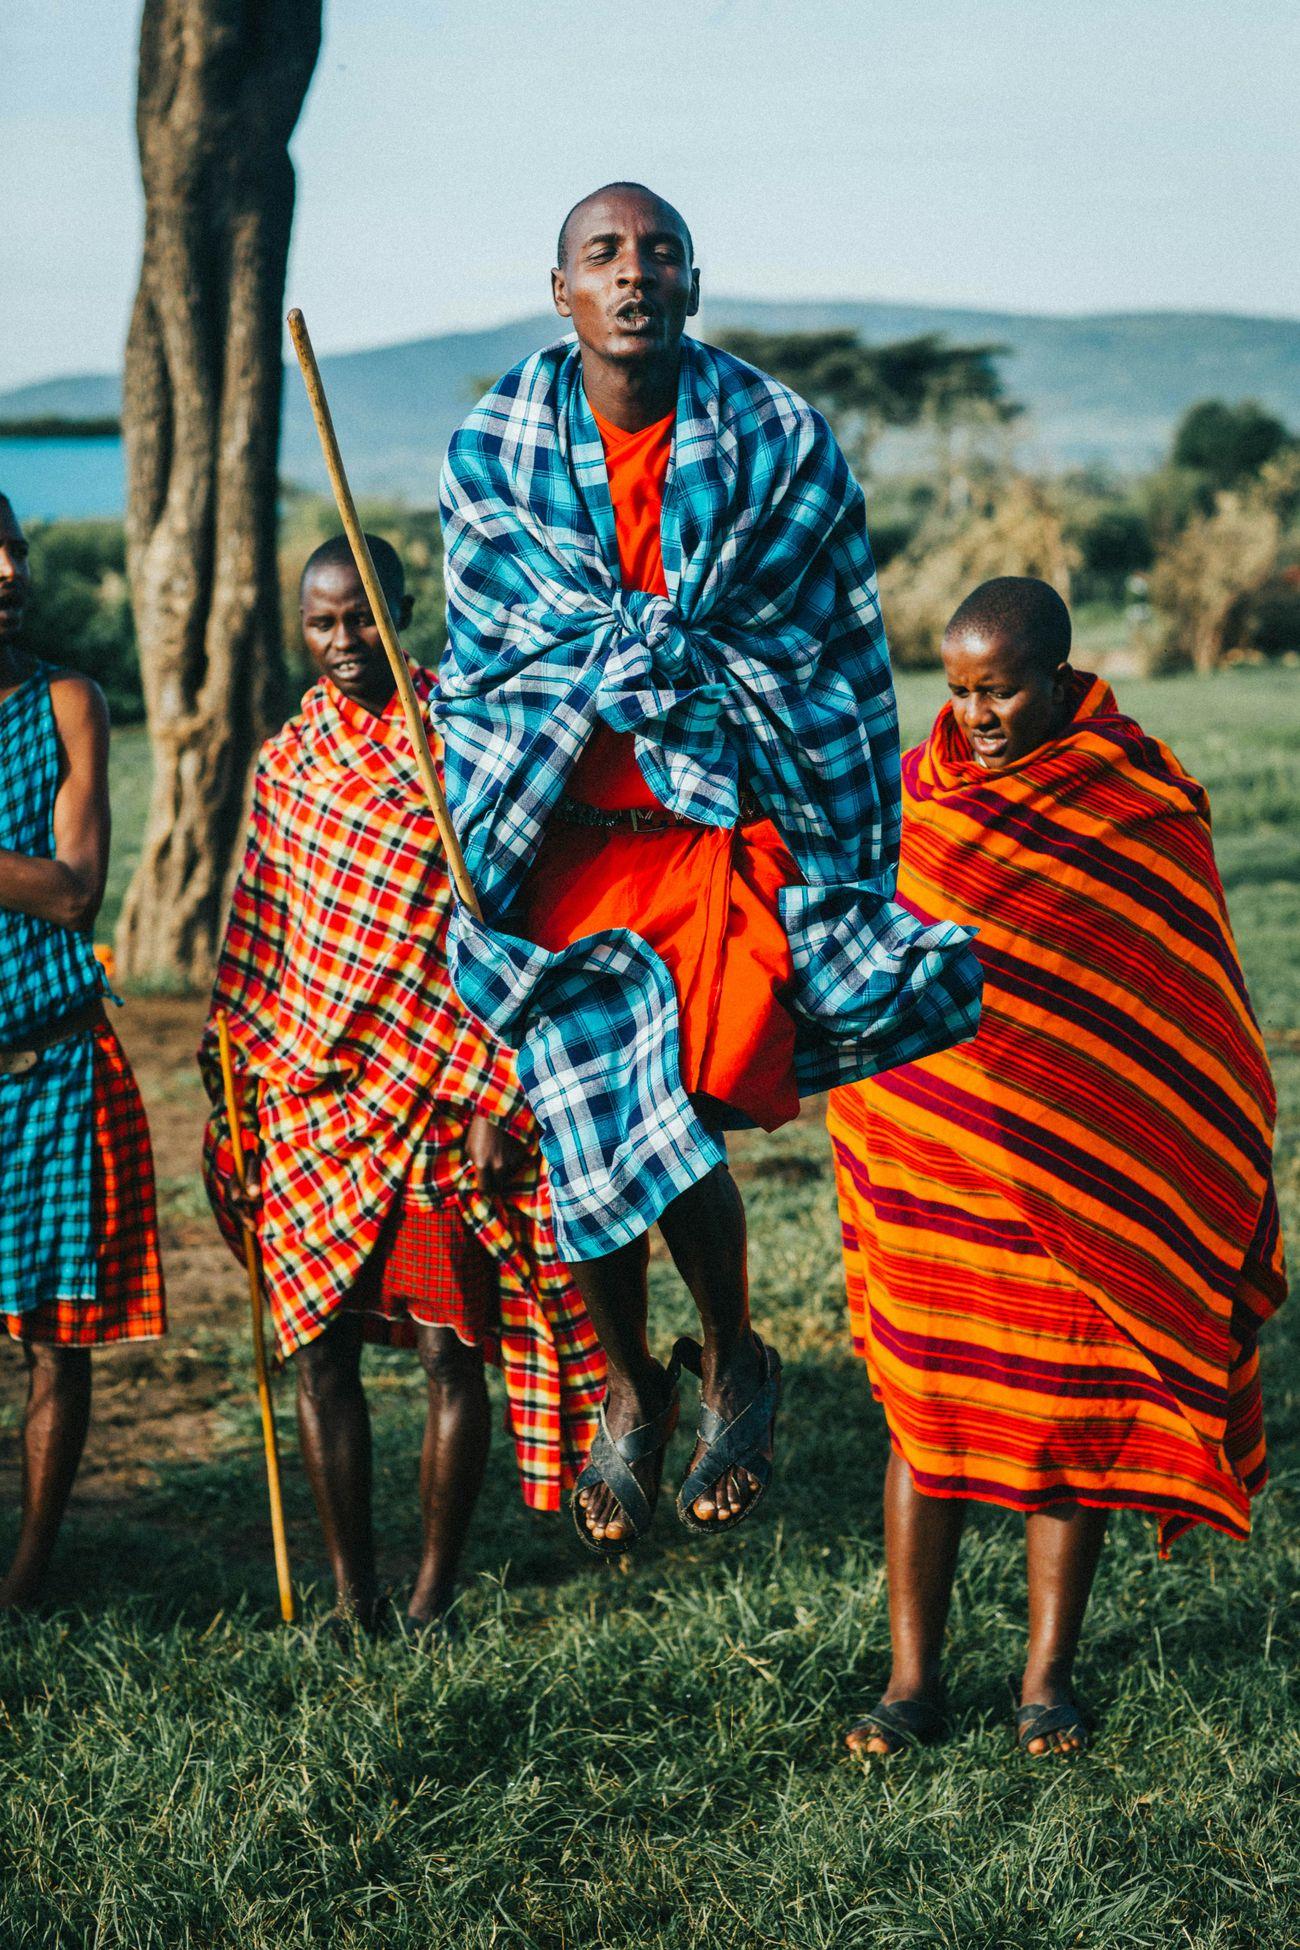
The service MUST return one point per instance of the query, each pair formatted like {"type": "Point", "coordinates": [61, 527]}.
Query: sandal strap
{"type": "Point", "coordinates": [912, 1722]}
{"type": "Point", "coordinates": [610, 1458]}
{"type": "Point", "coordinates": [1037, 1722]}
{"type": "Point", "coordinates": [730, 1443]}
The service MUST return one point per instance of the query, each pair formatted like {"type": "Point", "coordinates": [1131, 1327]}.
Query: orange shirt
{"type": "Point", "coordinates": [707, 900]}
{"type": "Point", "coordinates": [607, 773]}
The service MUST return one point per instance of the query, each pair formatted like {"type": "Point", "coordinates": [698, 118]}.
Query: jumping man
{"type": "Point", "coordinates": [400, 1195]}
{"type": "Point", "coordinates": [672, 759]}
{"type": "Point", "coordinates": [79, 1262]}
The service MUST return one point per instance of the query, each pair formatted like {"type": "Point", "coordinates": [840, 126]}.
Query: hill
{"type": "Point", "coordinates": [1106, 388]}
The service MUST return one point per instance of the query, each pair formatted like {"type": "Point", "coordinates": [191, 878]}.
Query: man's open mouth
{"type": "Point", "coordinates": [637, 318]}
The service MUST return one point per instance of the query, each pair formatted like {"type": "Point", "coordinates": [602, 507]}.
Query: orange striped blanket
{"type": "Point", "coordinates": [1061, 1238]}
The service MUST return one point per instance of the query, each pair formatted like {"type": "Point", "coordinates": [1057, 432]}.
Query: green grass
{"type": "Point", "coordinates": [651, 1757]}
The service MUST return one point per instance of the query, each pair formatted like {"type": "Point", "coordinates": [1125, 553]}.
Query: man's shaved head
{"type": "Point", "coordinates": [337, 552]}
{"type": "Point", "coordinates": [1024, 612]}
{"type": "Point", "coordinates": [676, 219]}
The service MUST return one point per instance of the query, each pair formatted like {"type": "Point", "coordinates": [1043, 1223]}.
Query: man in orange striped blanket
{"type": "Point", "coordinates": [400, 1193]}
{"type": "Point", "coordinates": [1061, 1238]}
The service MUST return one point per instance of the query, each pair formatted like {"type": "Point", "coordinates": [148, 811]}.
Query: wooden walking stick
{"type": "Point", "coordinates": [259, 1343]}
{"type": "Point", "coordinates": [379, 610]}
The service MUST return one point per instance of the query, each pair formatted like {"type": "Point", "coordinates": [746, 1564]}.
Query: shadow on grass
{"type": "Point", "coordinates": [199, 1540]}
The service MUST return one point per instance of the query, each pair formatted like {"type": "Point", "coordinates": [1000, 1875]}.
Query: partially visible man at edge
{"type": "Point", "coordinates": [672, 759]}
{"type": "Point", "coordinates": [79, 1263]}
{"type": "Point", "coordinates": [399, 1192]}
{"type": "Point", "coordinates": [1061, 1239]}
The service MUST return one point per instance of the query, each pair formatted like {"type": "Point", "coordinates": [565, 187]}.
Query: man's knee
{"type": "Point", "coordinates": [451, 1366]}
{"type": "Point", "coordinates": [330, 1365]}
{"type": "Point", "coordinates": [63, 1372]}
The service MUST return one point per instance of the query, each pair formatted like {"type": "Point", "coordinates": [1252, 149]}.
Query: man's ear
{"type": "Point", "coordinates": [405, 611]}
{"type": "Point", "coordinates": [560, 293]}
{"type": "Point", "coordinates": [694, 305]}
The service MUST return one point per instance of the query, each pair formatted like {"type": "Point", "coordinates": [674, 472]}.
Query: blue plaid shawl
{"type": "Point", "coordinates": [765, 666]}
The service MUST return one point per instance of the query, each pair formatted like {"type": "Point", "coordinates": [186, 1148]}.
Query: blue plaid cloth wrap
{"type": "Point", "coordinates": [47, 1136]}
{"type": "Point", "coordinates": [766, 666]}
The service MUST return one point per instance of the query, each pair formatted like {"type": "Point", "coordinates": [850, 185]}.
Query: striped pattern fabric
{"type": "Point", "coordinates": [1061, 1239]}
{"type": "Point", "coordinates": [764, 666]}
{"type": "Point", "coordinates": [361, 1071]}
{"type": "Point", "coordinates": [128, 1302]}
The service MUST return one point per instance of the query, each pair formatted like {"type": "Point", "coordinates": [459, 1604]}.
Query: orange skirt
{"type": "Point", "coordinates": [707, 900]}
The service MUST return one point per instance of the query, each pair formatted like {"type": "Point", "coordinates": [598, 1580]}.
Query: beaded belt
{"type": "Point", "coordinates": [639, 819]}
{"type": "Point", "coordinates": [17, 1062]}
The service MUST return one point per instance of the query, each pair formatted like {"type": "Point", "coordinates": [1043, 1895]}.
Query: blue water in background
{"type": "Point", "coordinates": [63, 480]}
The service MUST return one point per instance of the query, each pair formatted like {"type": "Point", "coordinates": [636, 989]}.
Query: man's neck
{"type": "Point", "coordinates": [631, 397]}
{"type": "Point", "coordinates": [12, 667]}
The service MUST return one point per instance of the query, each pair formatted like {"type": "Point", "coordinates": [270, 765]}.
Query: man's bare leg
{"type": "Point", "coordinates": [705, 1233]}
{"type": "Point", "coordinates": [614, 1292]}
{"type": "Point", "coordinates": [54, 1435]}
{"type": "Point", "coordinates": [922, 1537]}
{"type": "Point", "coordinates": [457, 1432]}
{"type": "Point", "coordinates": [1062, 1547]}
{"type": "Point", "coordinates": [334, 1433]}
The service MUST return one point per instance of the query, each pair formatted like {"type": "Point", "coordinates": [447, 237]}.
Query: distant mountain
{"type": "Point", "coordinates": [1106, 388]}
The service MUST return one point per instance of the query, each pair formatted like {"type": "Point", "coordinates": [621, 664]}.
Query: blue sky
{"type": "Point", "coordinates": [1062, 156]}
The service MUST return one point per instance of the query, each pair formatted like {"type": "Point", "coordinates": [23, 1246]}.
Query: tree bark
{"type": "Point", "coordinates": [220, 88]}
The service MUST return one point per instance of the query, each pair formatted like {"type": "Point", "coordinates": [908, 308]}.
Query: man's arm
{"type": "Point", "coordinates": [69, 888]}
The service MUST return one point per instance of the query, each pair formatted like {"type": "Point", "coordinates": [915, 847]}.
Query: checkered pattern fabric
{"type": "Point", "coordinates": [765, 667]}
{"type": "Point", "coordinates": [361, 1070]}
{"type": "Point", "coordinates": [47, 1144]}
{"type": "Point", "coordinates": [129, 1301]}
{"type": "Point", "coordinates": [429, 1269]}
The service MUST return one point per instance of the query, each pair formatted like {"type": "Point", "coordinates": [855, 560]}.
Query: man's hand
{"type": "Point", "coordinates": [496, 1157]}
{"type": "Point", "coordinates": [247, 1201]}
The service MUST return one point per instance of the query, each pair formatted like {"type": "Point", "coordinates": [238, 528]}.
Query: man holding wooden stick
{"type": "Point", "coordinates": [672, 759]}
{"type": "Point", "coordinates": [396, 1181]}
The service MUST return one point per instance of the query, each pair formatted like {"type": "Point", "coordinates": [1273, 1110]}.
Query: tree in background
{"type": "Point", "coordinates": [865, 390]}
{"type": "Point", "coordinates": [221, 84]}
{"type": "Point", "coordinates": [1227, 445]}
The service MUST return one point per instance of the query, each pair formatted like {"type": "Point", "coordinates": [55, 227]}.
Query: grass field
{"type": "Point", "coordinates": [651, 1757]}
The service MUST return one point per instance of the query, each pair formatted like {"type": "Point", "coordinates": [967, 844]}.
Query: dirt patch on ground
{"type": "Point", "coordinates": [164, 1401]}
{"type": "Point", "coordinates": [156, 1400]}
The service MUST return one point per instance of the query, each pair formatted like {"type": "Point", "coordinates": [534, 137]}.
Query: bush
{"type": "Point", "coordinates": [1015, 531]}
{"type": "Point", "coordinates": [1115, 544]}
{"type": "Point", "coordinates": [80, 613]}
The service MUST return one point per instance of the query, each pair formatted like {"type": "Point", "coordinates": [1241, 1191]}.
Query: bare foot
{"type": "Point", "coordinates": [728, 1390]}
{"type": "Point", "coordinates": [627, 1408]}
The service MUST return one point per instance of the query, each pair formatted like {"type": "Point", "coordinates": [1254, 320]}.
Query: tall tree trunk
{"type": "Point", "coordinates": [221, 86]}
